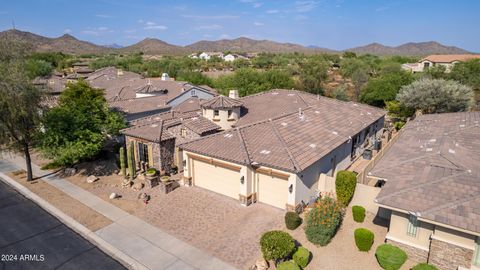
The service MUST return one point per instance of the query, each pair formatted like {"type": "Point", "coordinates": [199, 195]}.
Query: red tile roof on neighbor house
{"type": "Point", "coordinates": [433, 170]}
{"type": "Point", "coordinates": [449, 58]}
{"type": "Point", "coordinates": [288, 140]}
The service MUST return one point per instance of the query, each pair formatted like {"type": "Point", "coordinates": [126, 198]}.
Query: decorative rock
{"type": "Point", "coordinates": [141, 177]}
{"type": "Point", "coordinates": [113, 196]}
{"type": "Point", "coordinates": [260, 264]}
{"type": "Point", "coordinates": [70, 171]}
{"type": "Point", "coordinates": [142, 196]}
{"type": "Point", "coordinates": [137, 186]}
{"type": "Point", "coordinates": [126, 183]}
{"type": "Point", "coordinates": [92, 178]}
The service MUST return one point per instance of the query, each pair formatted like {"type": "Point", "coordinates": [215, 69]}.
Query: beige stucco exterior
{"type": "Point", "coordinates": [398, 231]}
{"type": "Point", "coordinates": [223, 119]}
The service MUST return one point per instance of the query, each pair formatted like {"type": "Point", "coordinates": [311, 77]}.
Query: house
{"type": "Point", "coordinates": [156, 138]}
{"type": "Point", "coordinates": [432, 190]}
{"type": "Point", "coordinates": [447, 60]}
{"type": "Point", "coordinates": [208, 55]}
{"type": "Point", "coordinates": [232, 57]}
{"type": "Point", "coordinates": [280, 147]}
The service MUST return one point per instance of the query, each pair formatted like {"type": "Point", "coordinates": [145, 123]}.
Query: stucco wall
{"type": "Point", "coordinates": [364, 196]}
{"type": "Point", "coordinates": [222, 119]}
{"type": "Point", "coordinates": [398, 231]}
{"type": "Point", "coordinates": [201, 94]}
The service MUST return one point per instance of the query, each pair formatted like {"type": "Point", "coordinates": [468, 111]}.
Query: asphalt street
{"type": "Point", "coordinates": [31, 238]}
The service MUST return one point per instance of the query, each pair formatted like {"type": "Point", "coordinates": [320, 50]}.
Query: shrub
{"type": "Point", "coordinates": [424, 266]}
{"type": "Point", "coordinates": [289, 265]}
{"type": "Point", "coordinates": [292, 220]}
{"type": "Point", "coordinates": [364, 239]}
{"type": "Point", "coordinates": [323, 221]}
{"type": "Point", "coordinates": [345, 186]}
{"type": "Point", "coordinates": [276, 245]}
{"type": "Point", "coordinates": [302, 257]}
{"type": "Point", "coordinates": [358, 213]}
{"type": "Point", "coordinates": [390, 257]}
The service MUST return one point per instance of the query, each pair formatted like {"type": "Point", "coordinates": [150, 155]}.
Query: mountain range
{"type": "Point", "coordinates": [69, 44]}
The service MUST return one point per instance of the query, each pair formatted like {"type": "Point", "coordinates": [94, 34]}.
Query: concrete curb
{"type": "Point", "coordinates": [112, 251]}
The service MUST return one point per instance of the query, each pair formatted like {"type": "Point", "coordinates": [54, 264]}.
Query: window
{"type": "Point", "coordinates": [412, 226]}
{"type": "Point", "coordinates": [229, 114]}
{"type": "Point", "coordinates": [183, 132]}
{"type": "Point", "coordinates": [143, 152]}
{"type": "Point", "coordinates": [193, 93]}
{"type": "Point", "coordinates": [476, 257]}
{"type": "Point", "coordinates": [426, 65]}
{"type": "Point", "coordinates": [216, 113]}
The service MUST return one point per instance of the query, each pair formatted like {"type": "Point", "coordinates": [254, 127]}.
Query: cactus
{"type": "Point", "coordinates": [122, 162]}
{"type": "Point", "coordinates": [131, 162]}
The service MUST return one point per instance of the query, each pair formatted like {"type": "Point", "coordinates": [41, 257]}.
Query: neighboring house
{"type": "Point", "coordinates": [208, 55]}
{"type": "Point", "coordinates": [447, 60]}
{"type": "Point", "coordinates": [432, 190]}
{"type": "Point", "coordinates": [157, 137]}
{"type": "Point", "coordinates": [280, 146]}
{"type": "Point", "coordinates": [232, 57]}
{"type": "Point", "coordinates": [140, 107]}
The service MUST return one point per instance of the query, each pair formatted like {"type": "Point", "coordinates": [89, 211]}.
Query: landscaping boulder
{"type": "Point", "coordinates": [126, 183]}
{"type": "Point", "coordinates": [113, 195]}
{"type": "Point", "coordinates": [92, 178]}
{"type": "Point", "coordinates": [70, 171]}
{"type": "Point", "coordinates": [137, 186]}
{"type": "Point", "coordinates": [260, 264]}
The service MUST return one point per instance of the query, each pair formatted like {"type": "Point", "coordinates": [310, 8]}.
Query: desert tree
{"type": "Point", "coordinates": [436, 96]}
{"type": "Point", "coordinates": [20, 101]}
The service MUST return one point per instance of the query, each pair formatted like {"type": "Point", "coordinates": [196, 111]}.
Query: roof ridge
{"type": "Point", "coordinates": [244, 146]}
{"type": "Point", "coordinates": [413, 187]}
{"type": "Point", "coordinates": [284, 144]}
{"type": "Point", "coordinates": [406, 161]}
{"type": "Point", "coordinates": [450, 204]}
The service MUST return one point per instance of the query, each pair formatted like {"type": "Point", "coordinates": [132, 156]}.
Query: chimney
{"type": "Point", "coordinates": [233, 94]}
{"type": "Point", "coordinates": [300, 112]}
{"type": "Point", "coordinates": [165, 77]}
{"type": "Point", "coordinates": [119, 72]}
{"type": "Point", "coordinates": [149, 82]}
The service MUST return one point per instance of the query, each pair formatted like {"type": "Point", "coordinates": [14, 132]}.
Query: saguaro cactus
{"type": "Point", "coordinates": [123, 170]}
{"type": "Point", "coordinates": [131, 161]}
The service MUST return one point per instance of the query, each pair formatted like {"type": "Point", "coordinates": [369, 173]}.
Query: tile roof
{"type": "Point", "coordinates": [433, 169]}
{"type": "Point", "coordinates": [138, 105]}
{"type": "Point", "coordinates": [288, 141]}
{"type": "Point", "coordinates": [149, 128]}
{"type": "Point", "coordinates": [189, 105]}
{"type": "Point", "coordinates": [222, 102]}
{"type": "Point", "coordinates": [449, 58]}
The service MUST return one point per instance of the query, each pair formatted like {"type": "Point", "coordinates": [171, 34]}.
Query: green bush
{"type": "Point", "coordinates": [364, 239]}
{"type": "Point", "coordinates": [302, 257]}
{"type": "Point", "coordinates": [292, 220]}
{"type": "Point", "coordinates": [289, 265]}
{"type": "Point", "coordinates": [277, 245]}
{"type": "Point", "coordinates": [424, 266]}
{"type": "Point", "coordinates": [323, 221]}
{"type": "Point", "coordinates": [358, 213]}
{"type": "Point", "coordinates": [345, 186]}
{"type": "Point", "coordinates": [390, 257]}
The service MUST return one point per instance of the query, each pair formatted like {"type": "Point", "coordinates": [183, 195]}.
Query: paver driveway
{"type": "Point", "coordinates": [213, 222]}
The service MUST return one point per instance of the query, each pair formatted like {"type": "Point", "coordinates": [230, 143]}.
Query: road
{"type": "Point", "coordinates": [31, 238]}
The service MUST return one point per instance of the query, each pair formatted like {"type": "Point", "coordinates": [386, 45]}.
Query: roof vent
{"type": "Point", "coordinates": [334, 133]}
{"type": "Point", "coordinates": [313, 145]}
{"type": "Point", "coordinates": [317, 112]}
{"type": "Point", "coordinates": [432, 140]}
{"type": "Point", "coordinates": [291, 95]}
{"type": "Point", "coordinates": [228, 135]}
{"type": "Point", "coordinates": [284, 124]}
{"type": "Point", "coordinates": [462, 125]}
{"type": "Point", "coordinates": [274, 93]}
{"type": "Point", "coordinates": [157, 118]}
{"type": "Point", "coordinates": [149, 82]}
{"type": "Point", "coordinates": [429, 149]}
{"type": "Point", "coordinates": [194, 118]}
{"type": "Point", "coordinates": [451, 151]}
{"type": "Point", "coordinates": [265, 152]}
{"type": "Point", "coordinates": [154, 125]}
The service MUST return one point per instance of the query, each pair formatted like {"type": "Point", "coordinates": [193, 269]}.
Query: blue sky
{"type": "Point", "coordinates": [335, 24]}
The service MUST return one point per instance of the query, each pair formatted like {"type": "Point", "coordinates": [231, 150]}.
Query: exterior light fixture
{"type": "Point", "coordinates": [184, 163]}
{"type": "Point", "coordinates": [242, 179]}
{"type": "Point", "coordinates": [290, 188]}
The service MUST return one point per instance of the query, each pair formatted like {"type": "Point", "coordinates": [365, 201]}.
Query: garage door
{"type": "Point", "coordinates": [272, 190]}
{"type": "Point", "coordinates": [216, 178]}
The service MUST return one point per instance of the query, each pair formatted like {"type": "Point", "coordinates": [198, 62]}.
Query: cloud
{"type": "Point", "coordinates": [258, 24]}
{"type": "Point", "coordinates": [253, 3]}
{"type": "Point", "coordinates": [207, 35]}
{"type": "Point", "coordinates": [129, 31]}
{"type": "Point", "coordinates": [305, 6]}
{"type": "Point", "coordinates": [224, 36]}
{"type": "Point", "coordinates": [212, 17]}
{"type": "Point", "coordinates": [150, 23]}
{"type": "Point", "coordinates": [104, 16]}
{"type": "Point", "coordinates": [209, 27]}
{"type": "Point", "coordinates": [98, 31]}
{"type": "Point", "coordinates": [67, 31]}
{"type": "Point", "coordinates": [155, 27]}
{"type": "Point", "coordinates": [140, 21]}
{"type": "Point", "coordinates": [180, 7]}
{"type": "Point", "coordinates": [273, 11]}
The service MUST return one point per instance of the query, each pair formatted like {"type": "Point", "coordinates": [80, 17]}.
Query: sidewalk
{"type": "Point", "coordinates": [148, 245]}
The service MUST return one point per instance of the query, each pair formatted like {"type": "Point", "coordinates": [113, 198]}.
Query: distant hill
{"type": "Point", "coordinates": [244, 44]}
{"type": "Point", "coordinates": [65, 43]}
{"type": "Point", "coordinates": [152, 46]}
{"type": "Point", "coordinates": [155, 46]}
{"type": "Point", "coordinates": [411, 48]}
{"type": "Point", "coordinates": [113, 46]}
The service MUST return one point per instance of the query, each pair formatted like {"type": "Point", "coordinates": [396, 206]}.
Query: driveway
{"type": "Point", "coordinates": [26, 229]}
{"type": "Point", "coordinates": [212, 222]}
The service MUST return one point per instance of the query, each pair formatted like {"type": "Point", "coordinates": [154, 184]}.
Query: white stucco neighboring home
{"type": "Point", "coordinates": [432, 190]}
{"type": "Point", "coordinates": [278, 146]}
{"type": "Point", "coordinates": [447, 60]}
{"type": "Point", "coordinates": [208, 55]}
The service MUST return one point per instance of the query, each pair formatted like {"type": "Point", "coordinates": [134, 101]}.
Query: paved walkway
{"type": "Point", "coordinates": [146, 244]}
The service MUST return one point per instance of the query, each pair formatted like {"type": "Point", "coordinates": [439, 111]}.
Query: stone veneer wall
{"type": "Point", "coordinates": [167, 151]}
{"type": "Point", "coordinates": [446, 256]}
{"type": "Point", "coordinates": [189, 136]}
{"type": "Point", "coordinates": [414, 254]}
